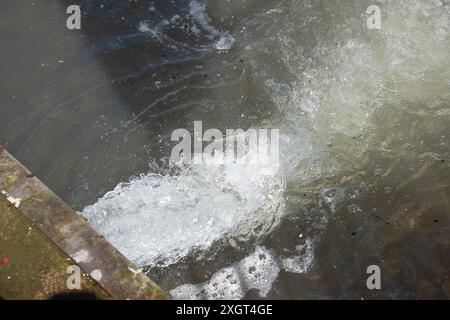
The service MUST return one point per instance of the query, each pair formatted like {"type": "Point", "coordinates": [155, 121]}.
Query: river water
{"type": "Point", "coordinates": [364, 126]}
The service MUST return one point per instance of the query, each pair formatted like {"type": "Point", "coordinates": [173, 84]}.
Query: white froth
{"type": "Point", "coordinates": [224, 41]}
{"type": "Point", "coordinates": [201, 26]}
{"type": "Point", "coordinates": [353, 74]}
{"type": "Point", "coordinates": [154, 31]}
{"type": "Point", "coordinates": [157, 220]}
{"type": "Point", "coordinates": [257, 271]}
{"type": "Point", "coordinates": [302, 261]}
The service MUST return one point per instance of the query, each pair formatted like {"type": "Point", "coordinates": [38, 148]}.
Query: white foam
{"type": "Point", "coordinates": [155, 31]}
{"type": "Point", "coordinates": [302, 261]}
{"type": "Point", "coordinates": [158, 219]}
{"type": "Point", "coordinates": [257, 271]}
{"type": "Point", "coordinates": [201, 26]}
{"type": "Point", "coordinates": [351, 76]}
{"type": "Point", "coordinates": [224, 41]}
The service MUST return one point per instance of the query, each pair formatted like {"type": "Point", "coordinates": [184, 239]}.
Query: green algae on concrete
{"type": "Point", "coordinates": [31, 266]}
{"type": "Point", "coordinates": [70, 233]}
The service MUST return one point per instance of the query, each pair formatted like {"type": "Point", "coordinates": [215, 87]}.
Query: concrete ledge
{"type": "Point", "coordinates": [31, 266]}
{"type": "Point", "coordinates": [117, 276]}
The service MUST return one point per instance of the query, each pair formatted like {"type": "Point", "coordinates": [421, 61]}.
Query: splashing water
{"type": "Point", "coordinates": [158, 219]}
{"type": "Point", "coordinates": [337, 80]}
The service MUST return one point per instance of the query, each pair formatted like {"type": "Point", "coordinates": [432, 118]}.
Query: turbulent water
{"type": "Point", "coordinates": [354, 106]}
{"type": "Point", "coordinates": [336, 75]}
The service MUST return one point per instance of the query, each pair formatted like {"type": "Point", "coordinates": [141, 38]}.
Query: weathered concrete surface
{"type": "Point", "coordinates": [72, 234]}
{"type": "Point", "coordinates": [31, 266]}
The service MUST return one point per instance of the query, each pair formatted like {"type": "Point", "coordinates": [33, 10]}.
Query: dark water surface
{"type": "Point", "coordinates": [364, 118]}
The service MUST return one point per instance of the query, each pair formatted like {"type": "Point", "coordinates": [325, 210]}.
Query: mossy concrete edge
{"type": "Point", "coordinates": [72, 234]}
